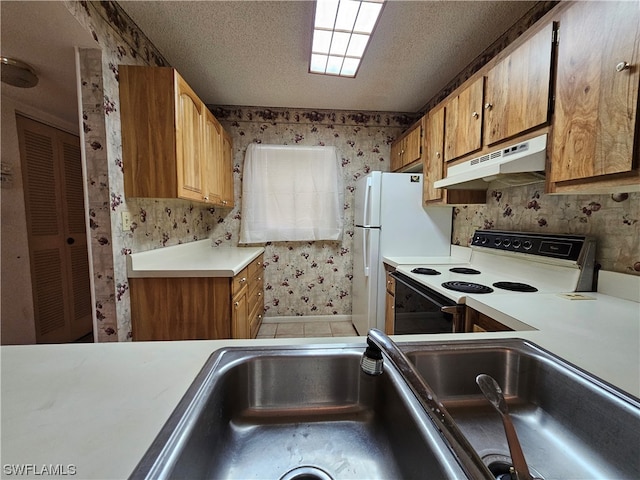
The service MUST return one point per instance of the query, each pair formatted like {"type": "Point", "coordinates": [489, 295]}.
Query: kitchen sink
{"type": "Point", "coordinates": [570, 424]}
{"type": "Point", "coordinates": [304, 412]}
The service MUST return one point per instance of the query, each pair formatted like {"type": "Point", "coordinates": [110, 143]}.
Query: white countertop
{"type": "Point", "coordinates": [99, 406]}
{"type": "Point", "coordinates": [194, 259]}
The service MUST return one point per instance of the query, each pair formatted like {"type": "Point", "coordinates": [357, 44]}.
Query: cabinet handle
{"type": "Point", "coordinates": [237, 304]}
{"type": "Point", "coordinates": [259, 294]}
{"type": "Point", "coordinates": [437, 154]}
{"type": "Point", "coordinates": [475, 115]}
{"type": "Point", "coordinates": [622, 66]}
{"type": "Point", "coordinates": [259, 316]}
{"type": "Point", "coordinates": [206, 198]}
{"type": "Point", "coordinates": [488, 106]}
{"type": "Point", "coordinates": [243, 279]}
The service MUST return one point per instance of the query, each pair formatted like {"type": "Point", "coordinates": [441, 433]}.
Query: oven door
{"type": "Point", "coordinates": [418, 309]}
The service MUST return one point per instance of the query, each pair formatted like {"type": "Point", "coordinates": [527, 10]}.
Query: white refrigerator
{"type": "Point", "coordinates": [390, 221]}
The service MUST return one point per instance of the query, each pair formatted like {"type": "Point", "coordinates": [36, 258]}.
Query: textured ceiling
{"type": "Point", "coordinates": [256, 52]}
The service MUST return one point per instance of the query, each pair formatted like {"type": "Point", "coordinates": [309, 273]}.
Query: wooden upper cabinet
{"type": "Point", "coordinates": [407, 149]}
{"type": "Point", "coordinates": [517, 89]}
{"type": "Point", "coordinates": [171, 143]}
{"type": "Point", "coordinates": [598, 73]}
{"type": "Point", "coordinates": [463, 122]}
{"type": "Point", "coordinates": [412, 145]}
{"type": "Point", "coordinates": [215, 168]}
{"type": "Point", "coordinates": [189, 137]}
{"type": "Point", "coordinates": [227, 193]}
{"type": "Point", "coordinates": [433, 166]}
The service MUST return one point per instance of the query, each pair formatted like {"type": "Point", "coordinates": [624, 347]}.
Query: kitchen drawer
{"type": "Point", "coordinates": [240, 281]}
{"type": "Point", "coordinates": [255, 322]}
{"type": "Point", "coordinates": [255, 297]}
{"type": "Point", "coordinates": [256, 267]}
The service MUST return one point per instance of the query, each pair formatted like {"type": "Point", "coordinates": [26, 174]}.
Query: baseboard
{"type": "Point", "coordinates": [307, 318]}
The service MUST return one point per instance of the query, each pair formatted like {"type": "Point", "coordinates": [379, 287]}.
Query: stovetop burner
{"type": "Point", "coordinates": [467, 287]}
{"type": "Point", "coordinates": [515, 286]}
{"type": "Point", "coordinates": [425, 271]}
{"type": "Point", "coordinates": [465, 270]}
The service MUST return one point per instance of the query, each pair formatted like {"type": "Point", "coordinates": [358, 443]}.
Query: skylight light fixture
{"type": "Point", "coordinates": [341, 32]}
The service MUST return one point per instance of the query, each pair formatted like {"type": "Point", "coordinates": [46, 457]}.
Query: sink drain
{"type": "Point", "coordinates": [500, 466]}
{"type": "Point", "coordinates": [306, 473]}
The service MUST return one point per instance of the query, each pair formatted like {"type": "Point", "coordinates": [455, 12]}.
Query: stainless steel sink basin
{"type": "Point", "coordinates": [570, 424]}
{"type": "Point", "coordinates": [297, 413]}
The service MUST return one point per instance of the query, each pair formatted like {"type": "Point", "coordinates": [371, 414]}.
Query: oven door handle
{"type": "Point", "coordinates": [420, 289]}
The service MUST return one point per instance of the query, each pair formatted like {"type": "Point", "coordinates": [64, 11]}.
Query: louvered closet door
{"type": "Point", "coordinates": [54, 202]}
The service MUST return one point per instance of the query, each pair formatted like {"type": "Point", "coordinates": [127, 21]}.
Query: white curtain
{"type": "Point", "coordinates": [291, 193]}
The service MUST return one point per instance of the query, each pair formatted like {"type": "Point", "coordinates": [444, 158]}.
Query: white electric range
{"type": "Point", "coordinates": [501, 263]}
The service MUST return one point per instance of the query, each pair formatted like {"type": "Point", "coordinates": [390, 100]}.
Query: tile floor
{"type": "Point", "coordinates": [306, 329]}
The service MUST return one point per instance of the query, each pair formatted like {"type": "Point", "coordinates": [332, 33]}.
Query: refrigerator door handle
{"type": "Point", "coordinates": [365, 237]}
{"type": "Point", "coordinates": [366, 215]}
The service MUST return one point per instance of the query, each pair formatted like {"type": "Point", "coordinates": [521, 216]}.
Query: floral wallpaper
{"type": "Point", "coordinates": [155, 223]}
{"type": "Point", "coordinates": [614, 220]}
{"type": "Point", "coordinates": [300, 278]}
{"type": "Point", "coordinates": [309, 278]}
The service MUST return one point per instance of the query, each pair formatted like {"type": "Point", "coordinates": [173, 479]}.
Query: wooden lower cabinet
{"type": "Point", "coordinates": [180, 308]}
{"type": "Point", "coordinates": [248, 301]}
{"type": "Point", "coordinates": [390, 300]}
{"type": "Point", "coordinates": [479, 322]}
{"type": "Point", "coordinates": [202, 308]}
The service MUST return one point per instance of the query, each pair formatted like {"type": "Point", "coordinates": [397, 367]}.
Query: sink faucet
{"type": "Point", "coordinates": [372, 362]}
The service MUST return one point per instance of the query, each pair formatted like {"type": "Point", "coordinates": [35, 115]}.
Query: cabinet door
{"type": "Point", "coordinates": [412, 146]}
{"type": "Point", "coordinates": [189, 123]}
{"type": "Point", "coordinates": [433, 161]}
{"type": "Point", "coordinates": [396, 155]}
{"type": "Point", "coordinates": [240, 316]}
{"type": "Point", "coordinates": [212, 159]}
{"type": "Point", "coordinates": [596, 90]}
{"type": "Point", "coordinates": [463, 123]}
{"type": "Point", "coordinates": [227, 170]}
{"type": "Point", "coordinates": [517, 89]}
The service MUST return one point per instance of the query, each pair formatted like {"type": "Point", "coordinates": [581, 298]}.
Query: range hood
{"type": "Point", "coordinates": [516, 164]}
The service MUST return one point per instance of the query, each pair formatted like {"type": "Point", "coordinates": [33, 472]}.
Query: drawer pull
{"type": "Point", "coordinates": [236, 304]}
{"type": "Point", "coordinates": [242, 280]}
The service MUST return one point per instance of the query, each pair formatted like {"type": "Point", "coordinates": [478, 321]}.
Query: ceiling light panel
{"type": "Point", "coordinates": [342, 30]}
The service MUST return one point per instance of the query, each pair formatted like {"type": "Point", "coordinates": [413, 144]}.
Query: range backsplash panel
{"type": "Point", "coordinates": [614, 220]}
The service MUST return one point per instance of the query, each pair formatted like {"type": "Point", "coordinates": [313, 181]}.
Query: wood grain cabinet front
{"type": "Point", "coordinates": [202, 308]}
{"type": "Point", "coordinates": [463, 122]}
{"type": "Point", "coordinates": [517, 89]}
{"type": "Point", "coordinates": [476, 321]}
{"type": "Point", "coordinates": [407, 149]}
{"type": "Point", "coordinates": [595, 136]}
{"type": "Point", "coordinates": [172, 145]}
{"type": "Point", "coordinates": [433, 166]}
{"type": "Point", "coordinates": [248, 300]}
{"type": "Point", "coordinates": [390, 300]}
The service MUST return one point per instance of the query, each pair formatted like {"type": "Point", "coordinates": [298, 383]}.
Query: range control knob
{"type": "Point", "coordinates": [516, 244]}
{"type": "Point", "coordinates": [506, 242]}
{"type": "Point", "coordinates": [527, 245]}
{"type": "Point", "coordinates": [497, 241]}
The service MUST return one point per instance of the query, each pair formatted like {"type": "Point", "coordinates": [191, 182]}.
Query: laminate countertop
{"type": "Point", "coordinates": [98, 407]}
{"type": "Point", "coordinates": [194, 259]}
